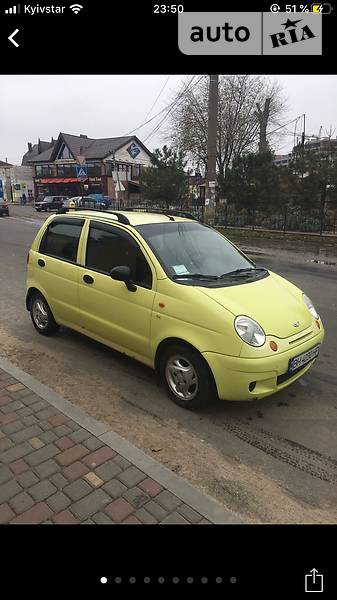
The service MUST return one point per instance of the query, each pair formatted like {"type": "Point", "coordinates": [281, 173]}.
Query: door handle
{"type": "Point", "coordinates": [41, 262]}
{"type": "Point", "coordinates": [88, 279]}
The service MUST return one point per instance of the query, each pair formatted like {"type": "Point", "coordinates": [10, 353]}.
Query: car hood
{"type": "Point", "coordinates": [273, 302]}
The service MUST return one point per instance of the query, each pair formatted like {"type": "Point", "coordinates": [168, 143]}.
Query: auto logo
{"type": "Point", "coordinates": [296, 324]}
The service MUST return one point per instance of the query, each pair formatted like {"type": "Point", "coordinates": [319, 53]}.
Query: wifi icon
{"type": "Point", "coordinates": [76, 8]}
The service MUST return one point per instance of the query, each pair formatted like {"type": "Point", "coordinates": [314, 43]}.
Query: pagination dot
{"type": "Point", "coordinates": [103, 580]}
{"type": "Point", "coordinates": [233, 580]}
{"type": "Point", "coordinates": [175, 580]}
{"type": "Point", "coordinates": [218, 580]}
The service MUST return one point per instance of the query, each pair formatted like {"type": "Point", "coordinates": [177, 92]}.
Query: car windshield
{"type": "Point", "coordinates": [192, 250]}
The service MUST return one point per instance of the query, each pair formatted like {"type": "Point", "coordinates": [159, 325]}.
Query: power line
{"type": "Point", "coordinates": [156, 100]}
{"type": "Point", "coordinates": [285, 125]}
{"type": "Point", "coordinates": [174, 104]}
{"type": "Point", "coordinates": [170, 108]}
{"type": "Point", "coordinates": [159, 113]}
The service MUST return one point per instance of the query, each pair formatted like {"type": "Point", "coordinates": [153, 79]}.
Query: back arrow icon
{"type": "Point", "coordinates": [11, 36]}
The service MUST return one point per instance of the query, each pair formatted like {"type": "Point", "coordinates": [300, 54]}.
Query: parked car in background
{"type": "Point", "coordinates": [50, 203]}
{"type": "Point", "coordinates": [93, 201]}
{"type": "Point", "coordinates": [99, 201]}
{"type": "Point", "coordinates": [74, 199]}
{"type": "Point", "coordinates": [4, 211]}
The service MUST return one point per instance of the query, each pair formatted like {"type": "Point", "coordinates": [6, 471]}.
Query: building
{"type": "Point", "coordinates": [5, 180]}
{"type": "Point", "coordinates": [282, 160]}
{"type": "Point", "coordinates": [114, 166]}
{"type": "Point", "coordinates": [16, 180]}
{"type": "Point", "coordinates": [321, 145]}
{"type": "Point", "coordinates": [197, 188]}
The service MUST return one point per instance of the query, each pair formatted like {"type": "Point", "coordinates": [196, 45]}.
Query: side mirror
{"type": "Point", "coordinates": [123, 273]}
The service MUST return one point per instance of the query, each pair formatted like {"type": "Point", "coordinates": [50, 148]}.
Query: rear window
{"type": "Point", "coordinates": [61, 239]}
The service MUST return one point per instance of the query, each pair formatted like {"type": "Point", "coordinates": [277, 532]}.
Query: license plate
{"type": "Point", "coordinates": [298, 361]}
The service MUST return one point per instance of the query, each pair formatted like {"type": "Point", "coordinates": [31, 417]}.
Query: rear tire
{"type": "Point", "coordinates": [42, 316]}
{"type": "Point", "coordinates": [187, 377]}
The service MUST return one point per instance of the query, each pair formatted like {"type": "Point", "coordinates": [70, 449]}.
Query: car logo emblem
{"type": "Point", "coordinates": [296, 324]}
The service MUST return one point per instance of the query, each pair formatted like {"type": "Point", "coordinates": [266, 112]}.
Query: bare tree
{"type": "Point", "coordinates": [238, 123]}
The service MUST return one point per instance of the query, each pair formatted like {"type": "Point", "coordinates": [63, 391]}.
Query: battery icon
{"type": "Point", "coordinates": [321, 8]}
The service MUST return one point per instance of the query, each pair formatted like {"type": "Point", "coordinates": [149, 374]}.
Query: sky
{"type": "Point", "coordinates": [114, 105]}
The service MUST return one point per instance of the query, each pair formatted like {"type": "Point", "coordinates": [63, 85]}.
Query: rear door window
{"type": "Point", "coordinates": [61, 239]}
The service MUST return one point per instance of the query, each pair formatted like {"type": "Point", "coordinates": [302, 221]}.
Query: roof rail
{"type": "Point", "coordinates": [168, 213]}
{"type": "Point", "coordinates": [121, 218]}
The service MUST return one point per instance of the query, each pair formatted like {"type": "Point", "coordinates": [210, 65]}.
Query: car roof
{"type": "Point", "coordinates": [134, 217]}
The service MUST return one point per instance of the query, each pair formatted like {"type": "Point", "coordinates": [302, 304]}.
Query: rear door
{"type": "Point", "coordinates": [56, 268]}
{"type": "Point", "coordinates": [108, 309]}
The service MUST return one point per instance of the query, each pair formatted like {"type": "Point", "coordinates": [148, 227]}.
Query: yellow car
{"type": "Point", "coordinates": [177, 296]}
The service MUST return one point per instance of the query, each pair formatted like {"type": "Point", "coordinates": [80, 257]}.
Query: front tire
{"type": "Point", "coordinates": [187, 377]}
{"type": "Point", "coordinates": [42, 316]}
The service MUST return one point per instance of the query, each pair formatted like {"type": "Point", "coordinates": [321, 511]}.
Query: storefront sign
{"type": "Point", "coordinates": [95, 179]}
{"type": "Point", "coordinates": [1, 189]}
{"type": "Point", "coordinates": [133, 150]}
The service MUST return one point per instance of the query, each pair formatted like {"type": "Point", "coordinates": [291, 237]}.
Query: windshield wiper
{"type": "Point", "coordinates": [242, 272]}
{"type": "Point", "coordinates": [196, 276]}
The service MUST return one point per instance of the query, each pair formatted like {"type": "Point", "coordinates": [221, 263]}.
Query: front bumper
{"type": "Point", "coordinates": [233, 375]}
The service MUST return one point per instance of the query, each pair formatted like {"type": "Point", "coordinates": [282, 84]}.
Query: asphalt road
{"type": "Point", "coordinates": [273, 460]}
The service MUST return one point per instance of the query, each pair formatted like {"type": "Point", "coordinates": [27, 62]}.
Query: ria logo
{"type": "Point", "coordinates": [291, 35]}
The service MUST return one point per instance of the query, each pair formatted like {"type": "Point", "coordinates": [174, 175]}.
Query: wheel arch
{"type": "Point", "coordinates": [170, 342]}
{"type": "Point", "coordinates": [32, 290]}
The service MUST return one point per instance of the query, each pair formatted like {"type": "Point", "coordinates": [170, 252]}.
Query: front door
{"type": "Point", "coordinates": [110, 311]}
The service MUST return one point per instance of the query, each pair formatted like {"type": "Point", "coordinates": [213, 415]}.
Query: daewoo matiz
{"type": "Point", "coordinates": [176, 295]}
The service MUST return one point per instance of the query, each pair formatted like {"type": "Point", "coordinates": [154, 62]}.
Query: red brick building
{"type": "Point", "coordinates": [114, 166]}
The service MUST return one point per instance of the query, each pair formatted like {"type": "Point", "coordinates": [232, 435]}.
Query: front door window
{"type": "Point", "coordinates": [108, 248]}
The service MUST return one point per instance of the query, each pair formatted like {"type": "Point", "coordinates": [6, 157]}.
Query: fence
{"type": "Point", "coordinates": [307, 222]}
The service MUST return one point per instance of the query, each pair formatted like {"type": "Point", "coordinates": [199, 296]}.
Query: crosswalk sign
{"type": "Point", "coordinates": [82, 171]}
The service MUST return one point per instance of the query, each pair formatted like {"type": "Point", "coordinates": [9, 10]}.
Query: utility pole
{"type": "Point", "coordinates": [303, 144]}
{"type": "Point", "coordinates": [211, 148]}
{"type": "Point", "coordinates": [262, 116]}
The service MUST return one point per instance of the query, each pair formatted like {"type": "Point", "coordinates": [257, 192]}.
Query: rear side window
{"type": "Point", "coordinates": [108, 248]}
{"type": "Point", "coordinates": [61, 239]}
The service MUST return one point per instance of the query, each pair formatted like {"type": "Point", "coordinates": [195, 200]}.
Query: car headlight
{"type": "Point", "coordinates": [310, 306]}
{"type": "Point", "coordinates": [249, 330]}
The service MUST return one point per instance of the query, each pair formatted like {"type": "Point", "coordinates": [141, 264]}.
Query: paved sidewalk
{"type": "Point", "coordinates": [58, 465]}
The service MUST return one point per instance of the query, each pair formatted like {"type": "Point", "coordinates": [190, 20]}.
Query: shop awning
{"type": "Point", "coordinates": [61, 180]}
